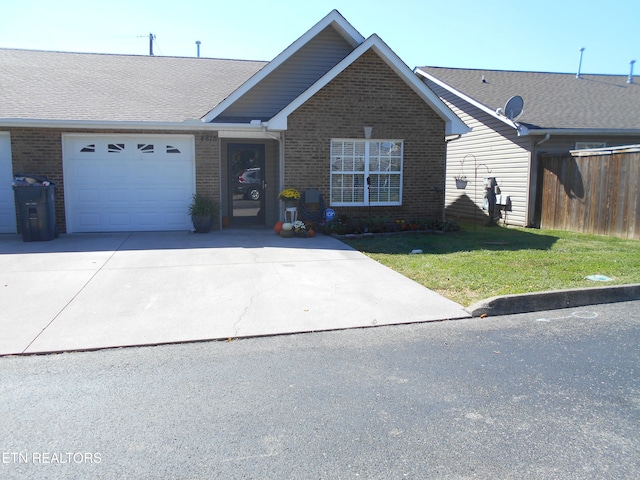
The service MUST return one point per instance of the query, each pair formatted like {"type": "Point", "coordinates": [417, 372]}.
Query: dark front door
{"type": "Point", "coordinates": [246, 183]}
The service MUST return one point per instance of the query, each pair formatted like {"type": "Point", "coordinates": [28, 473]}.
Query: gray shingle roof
{"type": "Point", "coordinates": [99, 87]}
{"type": "Point", "coordinates": [552, 100]}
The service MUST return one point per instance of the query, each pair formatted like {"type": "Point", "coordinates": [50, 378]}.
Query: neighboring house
{"type": "Point", "coordinates": [129, 139]}
{"type": "Point", "coordinates": [562, 112]}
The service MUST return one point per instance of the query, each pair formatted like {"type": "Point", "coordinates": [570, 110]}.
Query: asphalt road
{"type": "Point", "coordinates": [550, 395]}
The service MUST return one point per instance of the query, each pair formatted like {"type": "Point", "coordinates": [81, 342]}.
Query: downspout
{"type": "Point", "coordinates": [444, 189]}
{"type": "Point", "coordinates": [540, 142]}
{"type": "Point", "coordinates": [533, 175]}
{"type": "Point", "coordinates": [279, 139]}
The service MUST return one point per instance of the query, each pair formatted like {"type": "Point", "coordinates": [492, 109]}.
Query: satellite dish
{"type": "Point", "coordinates": [514, 108]}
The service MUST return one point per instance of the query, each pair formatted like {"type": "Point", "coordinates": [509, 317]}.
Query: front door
{"type": "Point", "coordinates": [246, 183]}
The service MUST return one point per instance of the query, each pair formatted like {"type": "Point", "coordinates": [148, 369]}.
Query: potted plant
{"type": "Point", "coordinates": [461, 182]}
{"type": "Point", "coordinates": [203, 211]}
{"type": "Point", "coordinates": [290, 196]}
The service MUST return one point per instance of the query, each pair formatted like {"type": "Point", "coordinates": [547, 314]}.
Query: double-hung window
{"type": "Point", "coordinates": [366, 172]}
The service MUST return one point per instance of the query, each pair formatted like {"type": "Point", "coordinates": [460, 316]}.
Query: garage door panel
{"type": "Point", "coordinates": [88, 222]}
{"type": "Point", "coordinates": [118, 196]}
{"type": "Point", "coordinates": [148, 220]}
{"type": "Point", "coordinates": [119, 221]}
{"type": "Point", "coordinates": [88, 195]}
{"type": "Point", "coordinates": [89, 173]}
{"type": "Point", "coordinates": [148, 195]}
{"type": "Point", "coordinates": [113, 185]}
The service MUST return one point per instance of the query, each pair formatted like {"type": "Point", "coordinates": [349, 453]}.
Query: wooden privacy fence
{"type": "Point", "coordinates": [594, 191]}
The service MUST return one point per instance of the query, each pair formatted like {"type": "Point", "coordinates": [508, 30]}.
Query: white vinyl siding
{"type": "Point", "coordinates": [292, 78]}
{"type": "Point", "coordinates": [366, 172]}
{"type": "Point", "coordinates": [491, 149]}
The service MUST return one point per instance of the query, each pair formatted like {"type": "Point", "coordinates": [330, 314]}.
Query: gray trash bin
{"type": "Point", "coordinates": [35, 202]}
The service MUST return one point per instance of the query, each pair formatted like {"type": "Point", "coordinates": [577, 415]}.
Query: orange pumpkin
{"type": "Point", "coordinates": [277, 227]}
{"type": "Point", "coordinates": [311, 232]}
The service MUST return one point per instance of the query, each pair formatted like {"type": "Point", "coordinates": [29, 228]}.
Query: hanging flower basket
{"type": "Point", "coordinates": [461, 183]}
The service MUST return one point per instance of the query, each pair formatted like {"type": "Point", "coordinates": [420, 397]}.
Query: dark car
{"type": "Point", "coordinates": [249, 184]}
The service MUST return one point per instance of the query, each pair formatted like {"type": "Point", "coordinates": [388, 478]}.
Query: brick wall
{"type": "Point", "coordinates": [207, 151]}
{"type": "Point", "coordinates": [39, 152]}
{"type": "Point", "coordinates": [369, 93]}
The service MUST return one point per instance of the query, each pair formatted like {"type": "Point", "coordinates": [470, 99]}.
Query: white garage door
{"type": "Point", "coordinates": [7, 203]}
{"type": "Point", "coordinates": [118, 183]}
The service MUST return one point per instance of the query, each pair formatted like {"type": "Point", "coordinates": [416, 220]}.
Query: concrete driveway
{"type": "Point", "coordinates": [90, 291]}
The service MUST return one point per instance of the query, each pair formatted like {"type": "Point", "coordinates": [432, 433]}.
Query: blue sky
{"type": "Point", "coordinates": [543, 35]}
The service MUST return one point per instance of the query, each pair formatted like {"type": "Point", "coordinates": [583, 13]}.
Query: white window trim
{"type": "Point", "coordinates": [366, 173]}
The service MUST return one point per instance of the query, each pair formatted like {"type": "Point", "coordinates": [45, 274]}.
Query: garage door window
{"type": "Point", "coordinates": [115, 148]}
{"type": "Point", "coordinates": [145, 147]}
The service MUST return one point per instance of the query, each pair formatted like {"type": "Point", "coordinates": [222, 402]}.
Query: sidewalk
{"type": "Point", "coordinates": [92, 291]}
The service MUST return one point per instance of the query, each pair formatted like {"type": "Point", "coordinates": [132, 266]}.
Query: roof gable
{"type": "Point", "coordinates": [551, 100]}
{"type": "Point", "coordinates": [453, 125]}
{"type": "Point", "coordinates": [291, 72]}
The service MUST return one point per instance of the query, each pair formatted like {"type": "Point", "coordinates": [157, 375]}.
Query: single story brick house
{"type": "Point", "coordinates": [129, 139]}
{"type": "Point", "coordinates": [562, 112]}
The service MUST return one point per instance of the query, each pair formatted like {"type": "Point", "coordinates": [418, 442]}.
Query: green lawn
{"type": "Point", "coordinates": [481, 262]}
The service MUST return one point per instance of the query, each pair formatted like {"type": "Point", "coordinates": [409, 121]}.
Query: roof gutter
{"type": "Point", "coordinates": [188, 125]}
{"type": "Point", "coordinates": [470, 100]}
{"type": "Point", "coordinates": [581, 131]}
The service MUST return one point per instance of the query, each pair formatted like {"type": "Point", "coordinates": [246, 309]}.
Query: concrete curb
{"type": "Point", "coordinates": [540, 301]}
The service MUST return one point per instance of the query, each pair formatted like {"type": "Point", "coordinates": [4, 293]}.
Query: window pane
{"type": "Point", "coordinates": [389, 148]}
{"type": "Point", "coordinates": [348, 164]}
{"type": "Point", "coordinates": [349, 148]}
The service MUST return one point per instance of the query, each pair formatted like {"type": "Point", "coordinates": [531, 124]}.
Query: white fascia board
{"type": "Point", "coordinates": [584, 131]}
{"type": "Point", "coordinates": [106, 125]}
{"type": "Point", "coordinates": [454, 125]}
{"type": "Point", "coordinates": [349, 33]}
{"type": "Point", "coordinates": [468, 99]}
